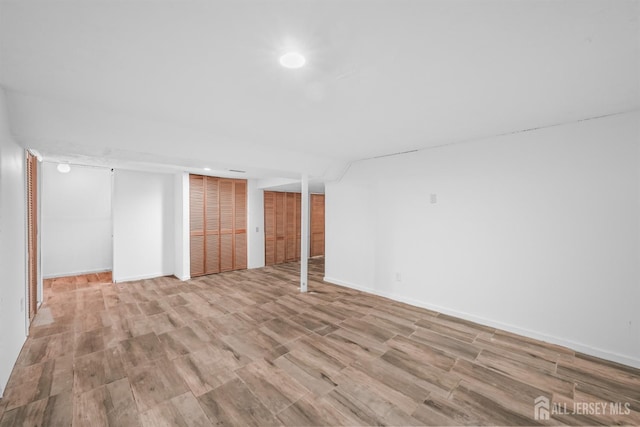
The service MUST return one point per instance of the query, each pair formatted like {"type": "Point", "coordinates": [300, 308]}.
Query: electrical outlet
{"type": "Point", "coordinates": [22, 305]}
{"type": "Point", "coordinates": [398, 277]}
{"type": "Point", "coordinates": [433, 198]}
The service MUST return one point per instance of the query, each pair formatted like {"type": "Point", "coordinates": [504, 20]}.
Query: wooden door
{"type": "Point", "coordinates": [218, 224]}
{"type": "Point", "coordinates": [298, 227]}
{"type": "Point", "coordinates": [269, 227]}
{"type": "Point", "coordinates": [240, 224]}
{"type": "Point", "coordinates": [290, 234]}
{"type": "Point", "coordinates": [32, 233]}
{"type": "Point", "coordinates": [212, 229]}
{"type": "Point", "coordinates": [281, 227]}
{"type": "Point", "coordinates": [317, 225]}
{"type": "Point", "coordinates": [226, 225]}
{"type": "Point", "coordinates": [196, 224]}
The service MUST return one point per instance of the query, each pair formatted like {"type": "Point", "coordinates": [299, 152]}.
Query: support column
{"type": "Point", "coordinates": [304, 238]}
{"type": "Point", "coordinates": [182, 268]}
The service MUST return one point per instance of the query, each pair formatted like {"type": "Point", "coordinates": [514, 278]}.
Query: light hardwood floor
{"type": "Point", "coordinates": [246, 348]}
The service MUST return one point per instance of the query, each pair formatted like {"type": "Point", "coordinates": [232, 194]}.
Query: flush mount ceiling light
{"type": "Point", "coordinates": [64, 168]}
{"type": "Point", "coordinates": [207, 169]}
{"type": "Point", "coordinates": [292, 60]}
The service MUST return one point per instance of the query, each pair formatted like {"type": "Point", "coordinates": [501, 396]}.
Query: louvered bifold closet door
{"type": "Point", "coordinates": [290, 214]}
{"type": "Point", "coordinates": [32, 233]}
{"type": "Point", "coordinates": [196, 224]}
{"type": "Point", "coordinates": [212, 221]}
{"type": "Point", "coordinates": [269, 227]}
{"type": "Point", "coordinates": [240, 225]}
{"type": "Point", "coordinates": [218, 224]}
{"type": "Point", "coordinates": [226, 225]}
{"type": "Point", "coordinates": [281, 228]}
{"type": "Point", "coordinates": [317, 224]}
{"type": "Point", "coordinates": [298, 217]}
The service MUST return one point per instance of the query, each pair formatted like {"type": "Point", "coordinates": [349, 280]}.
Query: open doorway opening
{"type": "Point", "coordinates": [76, 226]}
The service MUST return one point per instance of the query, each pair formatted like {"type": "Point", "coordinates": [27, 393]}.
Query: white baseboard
{"type": "Point", "coordinates": [140, 277]}
{"type": "Point", "coordinates": [75, 273]}
{"type": "Point", "coordinates": [582, 348]}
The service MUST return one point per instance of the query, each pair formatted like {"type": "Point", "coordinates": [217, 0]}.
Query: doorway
{"type": "Point", "coordinates": [76, 225]}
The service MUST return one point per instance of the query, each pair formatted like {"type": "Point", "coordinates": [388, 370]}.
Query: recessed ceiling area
{"type": "Point", "coordinates": [177, 84]}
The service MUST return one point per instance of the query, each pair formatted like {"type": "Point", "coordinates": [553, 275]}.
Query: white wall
{"type": "Point", "coordinates": [181, 220]}
{"type": "Point", "coordinates": [255, 225]}
{"type": "Point", "coordinates": [12, 248]}
{"type": "Point", "coordinates": [76, 220]}
{"type": "Point", "coordinates": [143, 225]}
{"type": "Point", "coordinates": [536, 232]}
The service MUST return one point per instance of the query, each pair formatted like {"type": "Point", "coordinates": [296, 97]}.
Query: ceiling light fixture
{"type": "Point", "coordinates": [64, 168]}
{"type": "Point", "coordinates": [207, 169]}
{"type": "Point", "coordinates": [292, 60]}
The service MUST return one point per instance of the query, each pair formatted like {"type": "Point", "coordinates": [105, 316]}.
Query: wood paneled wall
{"type": "Point", "coordinates": [282, 227]}
{"type": "Point", "coordinates": [218, 224]}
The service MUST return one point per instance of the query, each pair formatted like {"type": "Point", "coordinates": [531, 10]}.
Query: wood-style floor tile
{"type": "Point", "coordinates": [202, 372]}
{"type": "Point", "coordinates": [181, 341]}
{"type": "Point", "coordinates": [310, 411]}
{"type": "Point", "coordinates": [59, 409]}
{"type": "Point", "coordinates": [91, 407]}
{"type": "Point", "coordinates": [155, 382]}
{"type": "Point", "coordinates": [540, 379]}
{"type": "Point", "coordinates": [315, 379]}
{"type": "Point", "coordinates": [271, 385]}
{"type": "Point", "coordinates": [141, 349]}
{"type": "Point", "coordinates": [31, 414]}
{"type": "Point", "coordinates": [180, 411]}
{"type": "Point", "coordinates": [233, 404]}
{"type": "Point", "coordinates": [376, 405]}
{"type": "Point", "coordinates": [247, 348]}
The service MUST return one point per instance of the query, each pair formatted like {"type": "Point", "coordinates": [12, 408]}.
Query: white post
{"type": "Point", "coordinates": [304, 230]}
{"type": "Point", "coordinates": [182, 269]}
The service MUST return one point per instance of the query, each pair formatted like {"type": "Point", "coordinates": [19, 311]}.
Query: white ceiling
{"type": "Point", "coordinates": [188, 84]}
